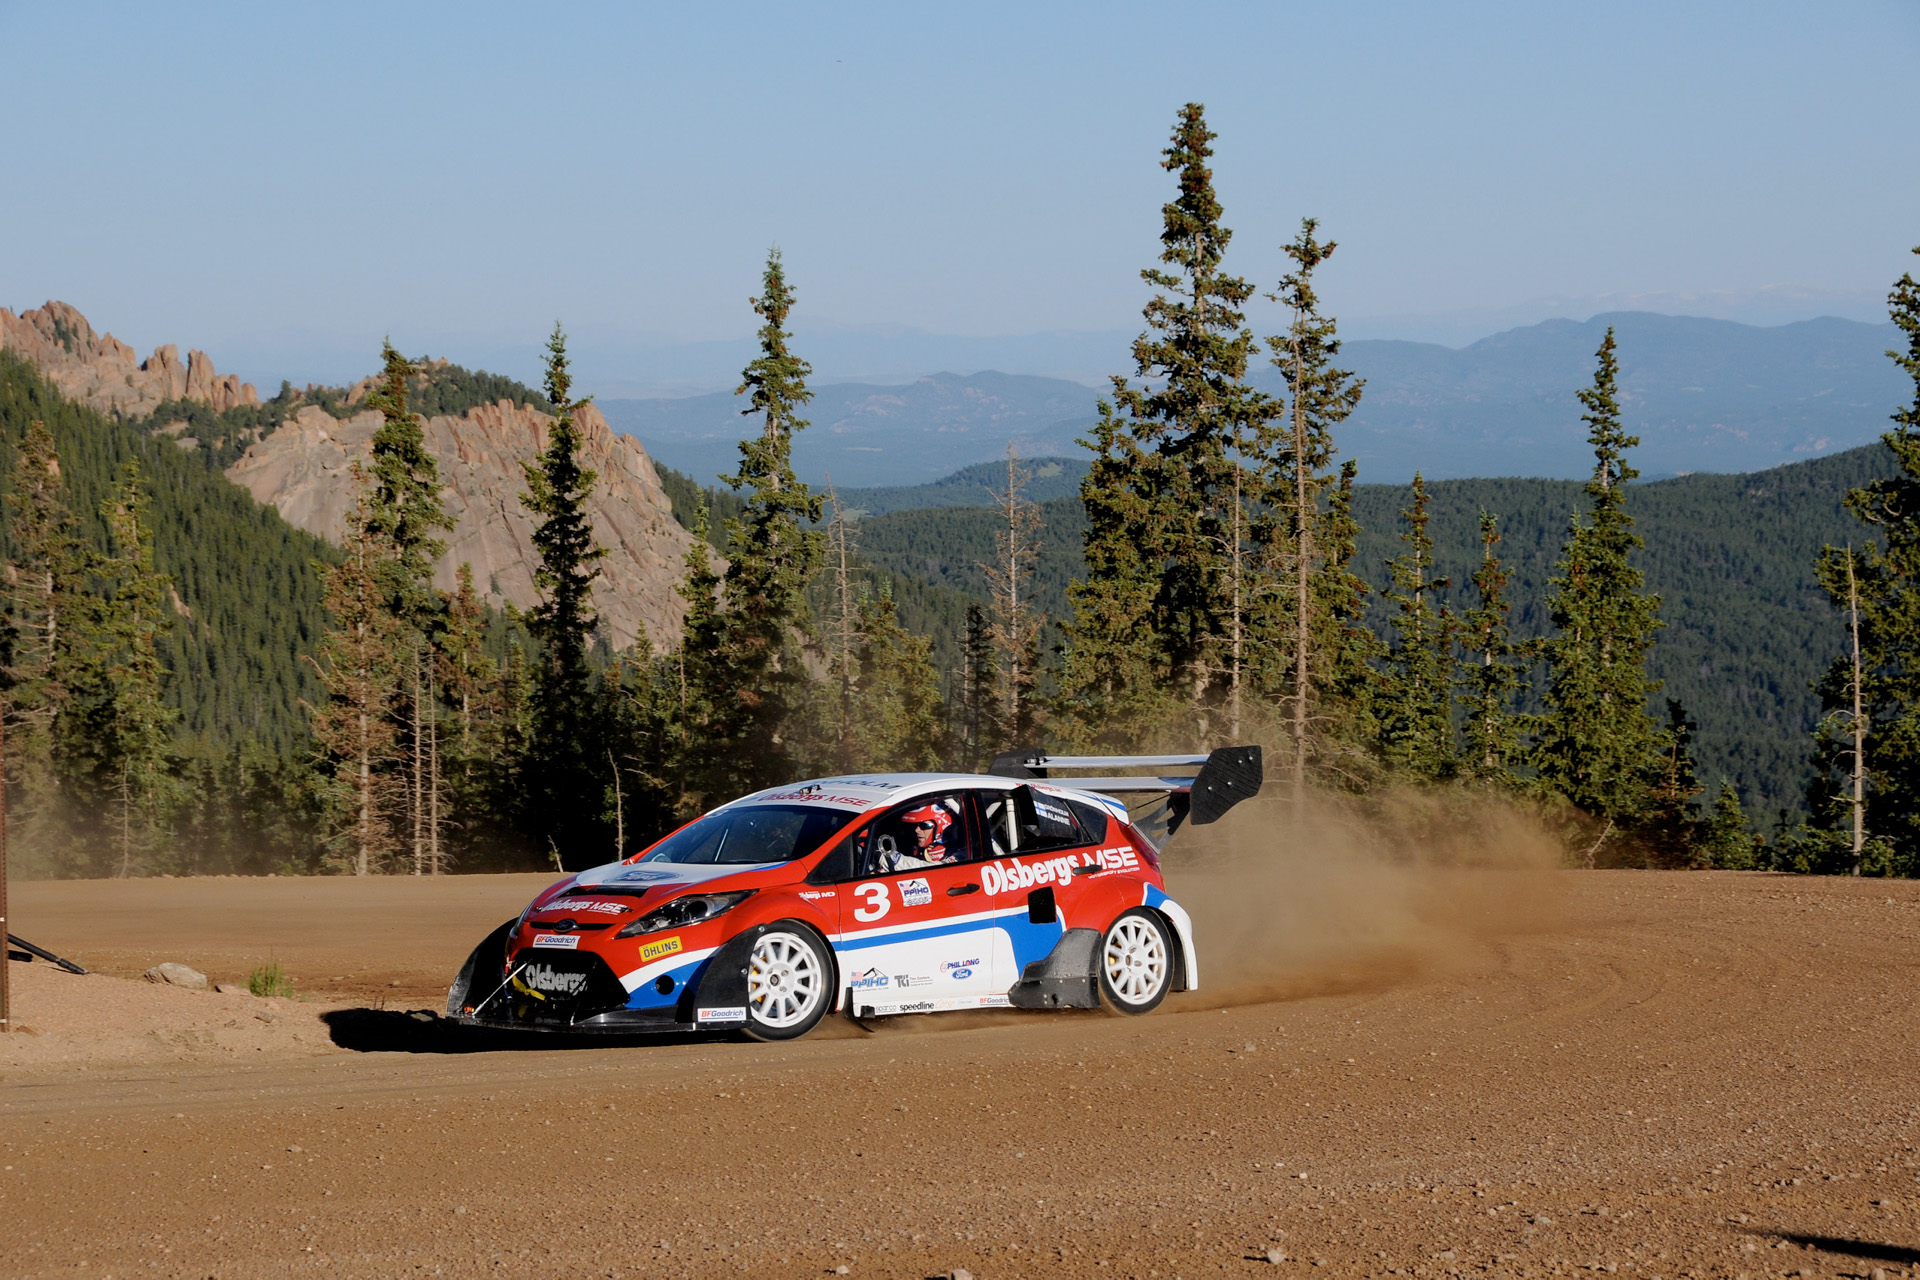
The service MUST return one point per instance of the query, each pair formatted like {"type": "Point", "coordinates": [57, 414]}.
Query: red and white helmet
{"type": "Point", "coordinates": [937, 814]}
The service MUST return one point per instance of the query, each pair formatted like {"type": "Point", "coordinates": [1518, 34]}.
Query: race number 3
{"type": "Point", "coordinates": [875, 902]}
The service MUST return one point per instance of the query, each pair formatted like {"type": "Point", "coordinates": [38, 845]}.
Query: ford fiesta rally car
{"type": "Point", "coordinates": [870, 896]}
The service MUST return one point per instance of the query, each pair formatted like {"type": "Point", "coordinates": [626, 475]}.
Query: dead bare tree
{"type": "Point", "coordinates": [1016, 623]}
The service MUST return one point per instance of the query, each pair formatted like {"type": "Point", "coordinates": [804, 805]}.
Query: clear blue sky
{"type": "Point", "coordinates": [282, 185]}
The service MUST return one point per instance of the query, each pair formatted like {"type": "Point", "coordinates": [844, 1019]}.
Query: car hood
{"type": "Point", "coordinates": [662, 875]}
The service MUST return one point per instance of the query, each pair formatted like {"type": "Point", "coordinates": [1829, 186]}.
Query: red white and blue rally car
{"type": "Point", "coordinates": [871, 896]}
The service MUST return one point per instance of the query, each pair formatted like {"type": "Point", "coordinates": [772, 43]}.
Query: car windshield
{"type": "Point", "coordinates": [755, 833]}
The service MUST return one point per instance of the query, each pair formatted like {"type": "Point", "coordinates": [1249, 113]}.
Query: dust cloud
{"type": "Point", "coordinates": [1290, 905]}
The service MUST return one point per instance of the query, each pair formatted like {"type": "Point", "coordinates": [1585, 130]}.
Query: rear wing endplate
{"type": "Point", "coordinates": [1222, 778]}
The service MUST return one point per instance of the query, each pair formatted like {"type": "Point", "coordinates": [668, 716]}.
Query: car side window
{"type": "Point", "coordinates": [930, 831]}
{"type": "Point", "coordinates": [1022, 820]}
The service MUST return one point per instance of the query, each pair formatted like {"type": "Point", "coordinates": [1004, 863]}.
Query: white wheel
{"type": "Point", "coordinates": [788, 981]}
{"type": "Point", "coordinates": [1136, 962]}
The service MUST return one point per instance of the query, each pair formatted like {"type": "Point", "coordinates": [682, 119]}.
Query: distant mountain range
{"type": "Point", "coordinates": [1703, 395]}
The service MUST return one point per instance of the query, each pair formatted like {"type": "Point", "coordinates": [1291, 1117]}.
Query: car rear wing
{"type": "Point", "coordinates": [1156, 804]}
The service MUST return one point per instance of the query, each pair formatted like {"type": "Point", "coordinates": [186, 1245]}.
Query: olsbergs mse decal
{"type": "Point", "coordinates": [1010, 877]}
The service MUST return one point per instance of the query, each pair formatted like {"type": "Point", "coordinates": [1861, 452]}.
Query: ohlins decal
{"type": "Point", "coordinates": [664, 947]}
{"type": "Point", "coordinates": [1014, 876]}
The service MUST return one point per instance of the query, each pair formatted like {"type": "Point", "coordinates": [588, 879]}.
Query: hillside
{"type": "Point", "coordinates": [1731, 555]}
{"type": "Point", "coordinates": [1705, 395]}
{"type": "Point", "coordinates": [249, 584]}
{"type": "Point", "coordinates": [294, 452]}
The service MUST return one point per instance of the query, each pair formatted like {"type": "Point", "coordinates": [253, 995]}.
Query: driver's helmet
{"type": "Point", "coordinates": [937, 814]}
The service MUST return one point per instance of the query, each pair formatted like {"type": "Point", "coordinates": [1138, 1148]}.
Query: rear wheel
{"type": "Point", "coordinates": [789, 984]}
{"type": "Point", "coordinates": [1136, 962]}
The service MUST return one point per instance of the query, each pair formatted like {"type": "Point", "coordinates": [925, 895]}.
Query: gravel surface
{"type": "Point", "coordinates": [1705, 1074]}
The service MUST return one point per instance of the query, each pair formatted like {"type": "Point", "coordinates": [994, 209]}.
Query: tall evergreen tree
{"type": "Point", "coordinates": [901, 714]}
{"type": "Point", "coordinates": [1598, 745]}
{"type": "Point", "coordinates": [44, 586]}
{"type": "Point", "coordinates": [1173, 469]}
{"type": "Point", "coordinates": [1346, 688]}
{"type": "Point", "coordinates": [404, 506]}
{"type": "Point", "coordinates": [1877, 588]}
{"type": "Point", "coordinates": [1415, 702]}
{"type": "Point", "coordinates": [1320, 397]}
{"type": "Point", "coordinates": [129, 718]}
{"type": "Point", "coordinates": [560, 780]}
{"type": "Point", "coordinates": [358, 665]}
{"type": "Point", "coordinates": [1112, 687]}
{"type": "Point", "coordinates": [1493, 674]}
{"type": "Point", "coordinates": [979, 734]}
{"type": "Point", "coordinates": [750, 635]}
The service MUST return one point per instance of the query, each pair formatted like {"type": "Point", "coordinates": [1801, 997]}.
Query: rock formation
{"type": "Point", "coordinates": [100, 370]}
{"type": "Point", "coordinates": [303, 470]}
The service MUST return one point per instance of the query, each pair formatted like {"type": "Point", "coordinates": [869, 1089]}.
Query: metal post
{"type": "Point", "coordinates": [6, 996]}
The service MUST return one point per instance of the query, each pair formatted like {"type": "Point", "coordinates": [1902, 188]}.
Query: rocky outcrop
{"type": "Point", "coordinates": [303, 470]}
{"type": "Point", "coordinates": [101, 371]}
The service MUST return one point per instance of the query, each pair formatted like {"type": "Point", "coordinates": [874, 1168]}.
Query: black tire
{"type": "Point", "coordinates": [790, 982]}
{"type": "Point", "coordinates": [1135, 962]}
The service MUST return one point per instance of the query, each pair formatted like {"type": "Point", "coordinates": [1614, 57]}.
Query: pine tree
{"type": "Point", "coordinates": [1598, 746]}
{"type": "Point", "coordinates": [1415, 701]}
{"type": "Point", "coordinates": [901, 713]}
{"type": "Point", "coordinates": [1016, 624]}
{"type": "Point", "coordinates": [130, 719]}
{"type": "Point", "coordinates": [1671, 828]}
{"type": "Point", "coordinates": [1727, 843]}
{"type": "Point", "coordinates": [358, 665]}
{"type": "Point", "coordinates": [1163, 475]}
{"type": "Point", "coordinates": [1347, 687]}
{"type": "Point", "coordinates": [561, 776]}
{"type": "Point", "coordinates": [1112, 690]}
{"type": "Point", "coordinates": [404, 507]}
{"type": "Point", "coordinates": [981, 736]}
{"type": "Point", "coordinates": [1493, 671]}
{"type": "Point", "coordinates": [697, 674]}
{"type": "Point", "coordinates": [1869, 735]}
{"type": "Point", "coordinates": [1320, 397]}
{"type": "Point", "coordinates": [44, 583]}
{"type": "Point", "coordinates": [773, 552]}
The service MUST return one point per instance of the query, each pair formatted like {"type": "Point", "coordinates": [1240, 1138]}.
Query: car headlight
{"type": "Point", "coordinates": [681, 912]}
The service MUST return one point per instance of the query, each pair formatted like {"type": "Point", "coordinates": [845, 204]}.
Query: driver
{"type": "Point", "coordinates": [929, 827]}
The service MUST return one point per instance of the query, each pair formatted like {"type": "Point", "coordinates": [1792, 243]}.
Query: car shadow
{"type": "Point", "coordinates": [1871, 1250]}
{"type": "Point", "coordinates": [422, 1031]}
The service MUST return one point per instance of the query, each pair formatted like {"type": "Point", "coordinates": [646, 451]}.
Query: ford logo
{"type": "Point", "coordinates": [564, 924]}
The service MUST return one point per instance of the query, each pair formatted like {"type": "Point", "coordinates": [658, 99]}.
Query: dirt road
{"type": "Point", "coordinates": [1648, 1074]}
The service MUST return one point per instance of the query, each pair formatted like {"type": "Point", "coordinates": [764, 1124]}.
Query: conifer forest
{"type": "Point", "coordinates": [193, 686]}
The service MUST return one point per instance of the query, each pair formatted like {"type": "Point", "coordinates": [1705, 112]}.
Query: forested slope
{"type": "Point", "coordinates": [248, 584]}
{"type": "Point", "coordinates": [1732, 557]}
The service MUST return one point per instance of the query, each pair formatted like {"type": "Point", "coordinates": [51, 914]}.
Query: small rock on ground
{"type": "Point", "coordinates": [231, 989]}
{"type": "Point", "coordinates": [177, 975]}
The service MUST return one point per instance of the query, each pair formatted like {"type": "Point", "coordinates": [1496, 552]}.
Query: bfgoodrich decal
{"type": "Point", "coordinates": [725, 1013]}
{"type": "Point", "coordinates": [558, 941]}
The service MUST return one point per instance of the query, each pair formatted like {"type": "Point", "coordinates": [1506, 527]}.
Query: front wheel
{"type": "Point", "coordinates": [1136, 962]}
{"type": "Point", "coordinates": [789, 984]}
